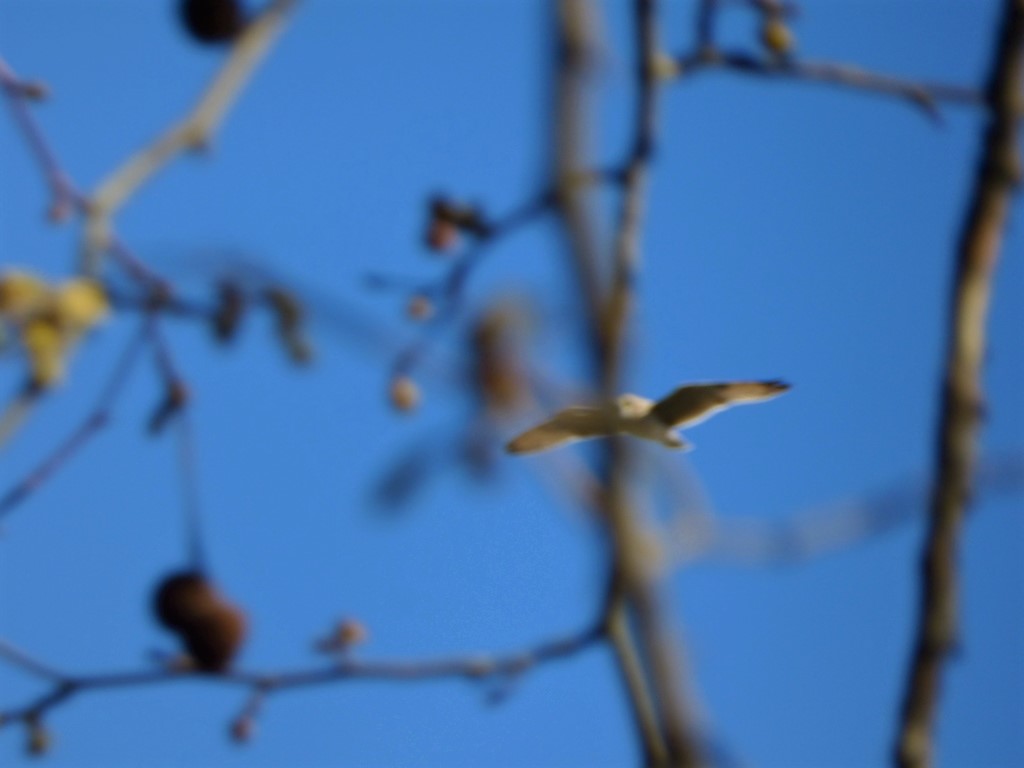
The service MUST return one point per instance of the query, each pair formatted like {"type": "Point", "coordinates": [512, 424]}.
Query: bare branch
{"type": "Point", "coordinates": [997, 173]}
{"type": "Point", "coordinates": [195, 131]}
{"type": "Point", "coordinates": [97, 419]}
{"type": "Point", "coordinates": [925, 96]}
{"type": "Point", "coordinates": [478, 668]}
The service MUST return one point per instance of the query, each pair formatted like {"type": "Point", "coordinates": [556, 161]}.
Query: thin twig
{"type": "Point", "coordinates": [475, 668]}
{"type": "Point", "coordinates": [98, 418]}
{"type": "Point", "coordinates": [195, 131]}
{"type": "Point", "coordinates": [997, 174]}
{"type": "Point", "coordinates": [925, 96]}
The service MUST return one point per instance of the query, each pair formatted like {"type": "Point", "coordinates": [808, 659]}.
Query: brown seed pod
{"type": "Point", "coordinates": [213, 21]}
{"type": "Point", "coordinates": [182, 597]}
{"type": "Point", "coordinates": [213, 640]}
{"type": "Point", "coordinates": [211, 629]}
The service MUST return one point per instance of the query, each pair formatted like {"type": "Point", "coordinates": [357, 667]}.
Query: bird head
{"type": "Point", "coordinates": [633, 406]}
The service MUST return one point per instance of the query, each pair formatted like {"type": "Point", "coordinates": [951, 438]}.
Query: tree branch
{"type": "Point", "coordinates": [480, 668]}
{"type": "Point", "coordinates": [925, 96]}
{"type": "Point", "coordinates": [998, 172]}
{"type": "Point", "coordinates": [195, 131]}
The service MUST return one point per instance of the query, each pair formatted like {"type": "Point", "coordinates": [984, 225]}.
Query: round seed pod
{"type": "Point", "coordinates": [210, 628]}
{"type": "Point", "coordinates": [213, 21]}
{"type": "Point", "coordinates": [182, 598]}
{"type": "Point", "coordinates": [213, 640]}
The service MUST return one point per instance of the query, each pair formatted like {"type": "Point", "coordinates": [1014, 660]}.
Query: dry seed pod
{"type": "Point", "coordinates": [211, 629]}
{"type": "Point", "coordinates": [213, 21]}
{"type": "Point", "coordinates": [181, 597]}
{"type": "Point", "coordinates": [213, 640]}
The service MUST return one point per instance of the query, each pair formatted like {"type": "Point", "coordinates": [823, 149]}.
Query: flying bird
{"type": "Point", "coordinates": [637, 416]}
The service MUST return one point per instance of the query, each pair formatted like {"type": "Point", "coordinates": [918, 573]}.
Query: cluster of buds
{"type": "Point", "coordinates": [211, 629]}
{"type": "Point", "coordinates": [213, 21]}
{"type": "Point", "coordinates": [48, 321]}
{"type": "Point", "coordinates": [446, 220]}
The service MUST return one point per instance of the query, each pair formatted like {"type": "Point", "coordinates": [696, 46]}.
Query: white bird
{"type": "Point", "coordinates": [637, 416]}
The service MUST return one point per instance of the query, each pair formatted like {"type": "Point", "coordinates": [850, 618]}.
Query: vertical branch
{"type": "Point", "coordinates": [576, 44]}
{"type": "Point", "coordinates": [997, 174]}
{"type": "Point", "coordinates": [636, 580]}
{"type": "Point", "coordinates": [638, 629]}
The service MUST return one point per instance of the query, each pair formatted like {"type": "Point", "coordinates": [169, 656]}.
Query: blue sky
{"type": "Point", "coordinates": [794, 231]}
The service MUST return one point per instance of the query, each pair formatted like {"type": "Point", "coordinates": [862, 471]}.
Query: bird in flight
{"type": "Point", "coordinates": [637, 416]}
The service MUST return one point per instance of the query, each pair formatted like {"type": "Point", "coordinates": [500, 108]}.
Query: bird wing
{"type": "Point", "coordinates": [575, 423]}
{"type": "Point", "coordinates": [695, 402]}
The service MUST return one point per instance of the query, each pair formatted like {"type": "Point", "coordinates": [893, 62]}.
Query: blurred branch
{"type": "Point", "coordinates": [65, 196]}
{"type": "Point", "coordinates": [195, 131]}
{"type": "Point", "coordinates": [638, 628]}
{"type": "Point", "coordinates": [997, 174]}
{"type": "Point", "coordinates": [632, 575]}
{"type": "Point", "coordinates": [779, 61]}
{"type": "Point", "coordinates": [697, 535]}
{"type": "Point", "coordinates": [97, 419]}
{"type": "Point", "coordinates": [925, 96]}
{"type": "Point", "coordinates": [576, 45]}
{"type": "Point", "coordinates": [502, 669]}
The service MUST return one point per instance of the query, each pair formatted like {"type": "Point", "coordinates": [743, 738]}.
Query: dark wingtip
{"type": "Point", "coordinates": [779, 385]}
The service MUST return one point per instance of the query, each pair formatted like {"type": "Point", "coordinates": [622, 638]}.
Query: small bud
{"type": "Point", "coordinates": [420, 307]}
{"type": "Point", "coordinates": [447, 220]}
{"type": "Point", "coordinates": [441, 235]}
{"type": "Point", "coordinates": [242, 729]}
{"type": "Point", "coordinates": [227, 317]}
{"type": "Point", "coordinates": [776, 36]}
{"type": "Point", "coordinates": [34, 90]}
{"type": "Point", "coordinates": [39, 739]}
{"type": "Point", "coordinates": [347, 634]}
{"type": "Point", "coordinates": [404, 394]}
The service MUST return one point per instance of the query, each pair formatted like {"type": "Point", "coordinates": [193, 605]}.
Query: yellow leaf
{"type": "Point", "coordinates": [81, 303]}
{"type": "Point", "coordinates": [45, 347]}
{"type": "Point", "coordinates": [21, 295]}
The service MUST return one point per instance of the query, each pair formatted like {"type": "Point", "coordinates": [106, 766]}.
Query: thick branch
{"type": "Point", "coordinates": [997, 174]}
